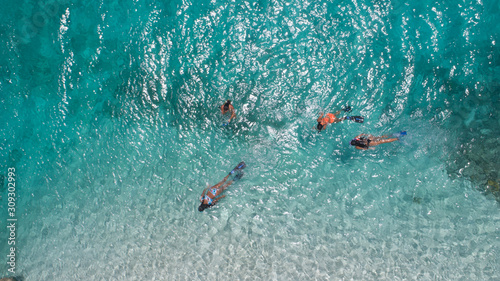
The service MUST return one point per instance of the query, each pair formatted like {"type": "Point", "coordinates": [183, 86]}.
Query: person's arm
{"type": "Point", "coordinates": [233, 113]}
{"type": "Point", "coordinates": [321, 116]}
{"type": "Point", "coordinates": [214, 201]}
{"type": "Point", "coordinates": [203, 193]}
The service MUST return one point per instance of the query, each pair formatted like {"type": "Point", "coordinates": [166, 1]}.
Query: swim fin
{"type": "Point", "coordinates": [238, 176]}
{"type": "Point", "coordinates": [358, 119]}
{"type": "Point", "coordinates": [400, 134]}
{"type": "Point", "coordinates": [240, 166]}
{"type": "Point", "coordinates": [347, 109]}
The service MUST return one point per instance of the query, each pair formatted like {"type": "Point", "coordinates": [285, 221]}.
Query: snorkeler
{"type": "Point", "coordinates": [228, 107]}
{"type": "Point", "coordinates": [365, 141]}
{"type": "Point", "coordinates": [209, 198]}
{"type": "Point", "coordinates": [330, 118]}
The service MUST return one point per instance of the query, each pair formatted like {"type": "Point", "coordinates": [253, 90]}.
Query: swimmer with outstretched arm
{"type": "Point", "coordinates": [365, 141]}
{"type": "Point", "coordinates": [228, 107]}
{"type": "Point", "coordinates": [211, 195]}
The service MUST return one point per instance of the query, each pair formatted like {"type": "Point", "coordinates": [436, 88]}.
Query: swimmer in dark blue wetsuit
{"type": "Point", "coordinates": [211, 195]}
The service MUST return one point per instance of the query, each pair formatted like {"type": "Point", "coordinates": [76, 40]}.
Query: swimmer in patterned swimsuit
{"type": "Point", "coordinates": [211, 195]}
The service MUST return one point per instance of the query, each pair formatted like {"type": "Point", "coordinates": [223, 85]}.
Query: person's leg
{"type": "Point", "coordinates": [337, 120]}
{"type": "Point", "coordinates": [380, 141]}
{"type": "Point", "coordinates": [224, 187]}
{"type": "Point", "coordinates": [373, 138]}
{"type": "Point", "coordinates": [221, 182]}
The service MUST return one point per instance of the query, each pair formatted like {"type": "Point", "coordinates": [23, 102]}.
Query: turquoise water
{"type": "Point", "coordinates": [110, 117]}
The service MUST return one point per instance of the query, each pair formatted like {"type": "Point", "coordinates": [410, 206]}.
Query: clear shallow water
{"type": "Point", "coordinates": [111, 119]}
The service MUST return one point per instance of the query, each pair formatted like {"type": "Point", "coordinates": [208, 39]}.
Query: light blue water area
{"type": "Point", "coordinates": [110, 115]}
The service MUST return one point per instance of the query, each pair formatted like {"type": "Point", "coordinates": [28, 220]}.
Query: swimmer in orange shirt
{"type": "Point", "coordinates": [329, 118]}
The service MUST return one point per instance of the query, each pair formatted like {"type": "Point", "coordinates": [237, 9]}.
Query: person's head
{"type": "Point", "coordinates": [319, 127]}
{"type": "Point", "coordinates": [359, 143]}
{"type": "Point", "coordinates": [203, 206]}
{"type": "Point", "coordinates": [226, 105]}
